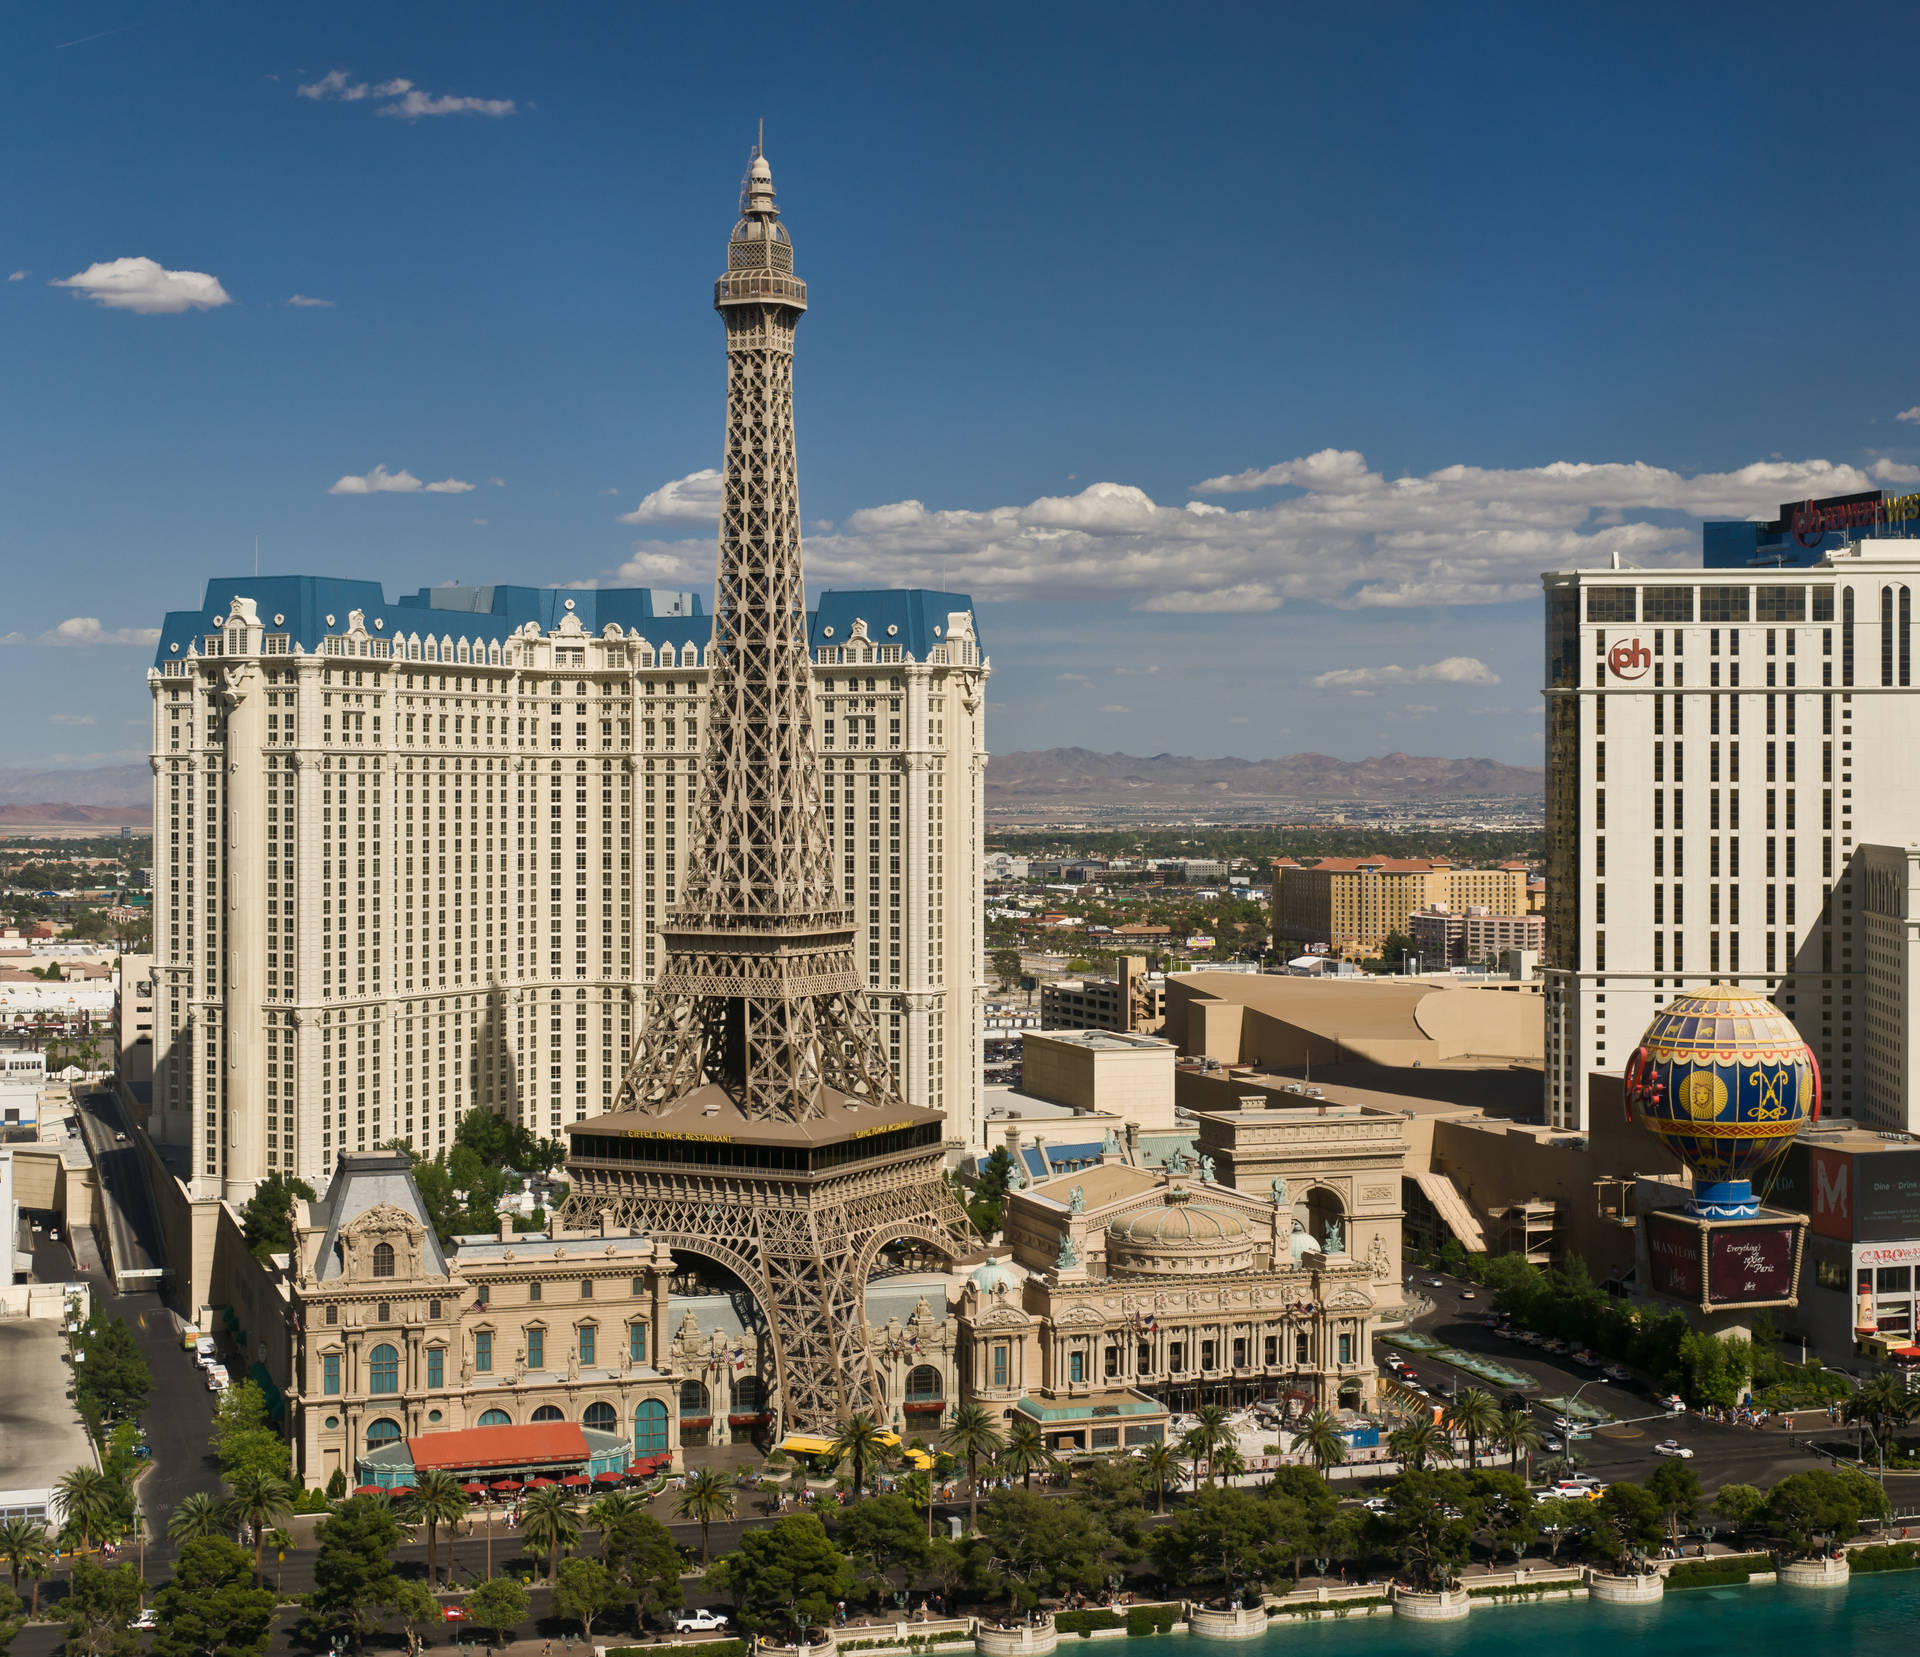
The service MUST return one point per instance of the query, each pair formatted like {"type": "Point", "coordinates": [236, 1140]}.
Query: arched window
{"type": "Point", "coordinates": [548, 1412]}
{"type": "Point", "coordinates": [383, 1369]}
{"type": "Point", "coordinates": [923, 1385]}
{"type": "Point", "coordinates": [383, 1431]}
{"type": "Point", "coordinates": [383, 1259]}
{"type": "Point", "coordinates": [750, 1395]}
{"type": "Point", "coordinates": [694, 1401]}
{"type": "Point", "coordinates": [494, 1418]}
{"type": "Point", "coordinates": [650, 1425]}
{"type": "Point", "coordinates": [601, 1419]}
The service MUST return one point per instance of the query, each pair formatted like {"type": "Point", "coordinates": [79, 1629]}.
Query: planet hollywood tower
{"type": "Point", "coordinates": [759, 1124]}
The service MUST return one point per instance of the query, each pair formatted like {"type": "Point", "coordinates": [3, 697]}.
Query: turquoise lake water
{"type": "Point", "coordinates": [1879, 1614]}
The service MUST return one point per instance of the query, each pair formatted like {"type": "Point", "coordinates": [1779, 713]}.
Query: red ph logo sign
{"type": "Point", "coordinates": [1629, 659]}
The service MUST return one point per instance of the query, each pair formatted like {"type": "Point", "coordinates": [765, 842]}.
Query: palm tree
{"type": "Point", "coordinates": [1474, 1416]}
{"type": "Point", "coordinates": [88, 1501]}
{"type": "Point", "coordinates": [35, 1570]}
{"type": "Point", "coordinates": [547, 1516]}
{"type": "Point", "coordinates": [22, 1542]}
{"type": "Point", "coordinates": [1211, 1431]}
{"type": "Point", "coordinates": [606, 1511]}
{"type": "Point", "coordinates": [1881, 1405]}
{"type": "Point", "coordinates": [917, 1487]}
{"type": "Point", "coordinates": [1519, 1434]}
{"type": "Point", "coordinates": [861, 1442]}
{"type": "Point", "coordinates": [1162, 1465]}
{"type": "Point", "coordinates": [707, 1497]}
{"type": "Point", "coordinates": [1229, 1463]}
{"type": "Point", "coordinates": [281, 1542]}
{"type": "Point", "coordinates": [200, 1514]}
{"type": "Point", "coordinates": [1418, 1443]}
{"type": "Point", "coordinates": [435, 1500]}
{"type": "Point", "coordinates": [1320, 1436]}
{"type": "Point", "coordinates": [972, 1434]}
{"type": "Point", "coordinates": [1027, 1451]}
{"type": "Point", "coordinates": [261, 1501]}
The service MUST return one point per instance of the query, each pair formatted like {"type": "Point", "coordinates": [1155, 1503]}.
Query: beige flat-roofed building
{"type": "Point", "coordinates": [1103, 1071]}
{"type": "Point", "coordinates": [1352, 904]}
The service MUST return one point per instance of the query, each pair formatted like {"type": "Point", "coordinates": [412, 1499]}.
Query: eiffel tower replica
{"type": "Point", "coordinates": [758, 1123]}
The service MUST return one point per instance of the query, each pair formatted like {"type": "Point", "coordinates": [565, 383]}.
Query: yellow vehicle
{"type": "Point", "coordinates": [817, 1452]}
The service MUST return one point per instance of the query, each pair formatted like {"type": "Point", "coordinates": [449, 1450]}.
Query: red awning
{"type": "Point", "coordinates": [367, 1490]}
{"type": "Point", "coordinates": [508, 1485]}
{"type": "Point", "coordinates": [538, 1444]}
{"type": "Point", "coordinates": [575, 1480]}
{"type": "Point", "coordinates": [608, 1478]}
{"type": "Point", "coordinates": [474, 1489]}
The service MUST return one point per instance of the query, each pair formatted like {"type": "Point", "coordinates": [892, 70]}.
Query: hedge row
{"type": "Point", "coordinates": [1151, 1619]}
{"type": "Point", "coordinates": [713, 1648]}
{"type": "Point", "coordinates": [1886, 1556]}
{"type": "Point", "coordinates": [1085, 1622]}
{"type": "Point", "coordinates": [1709, 1573]}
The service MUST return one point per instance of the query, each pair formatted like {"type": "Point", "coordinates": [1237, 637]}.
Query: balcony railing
{"type": "Point", "coordinates": [759, 284]}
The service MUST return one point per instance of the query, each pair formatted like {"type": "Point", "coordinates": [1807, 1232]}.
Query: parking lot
{"type": "Point", "coordinates": [40, 1435]}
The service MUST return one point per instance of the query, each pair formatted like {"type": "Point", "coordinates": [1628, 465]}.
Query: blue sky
{"type": "Point", "coordinates": [1249, 344]}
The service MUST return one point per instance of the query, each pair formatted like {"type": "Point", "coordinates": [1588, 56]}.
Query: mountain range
{"type": "Point", "coordinates": [1081, 774]}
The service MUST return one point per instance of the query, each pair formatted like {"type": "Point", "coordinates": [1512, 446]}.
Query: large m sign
{"type": "Point", "coordinates": [1833, 1195]}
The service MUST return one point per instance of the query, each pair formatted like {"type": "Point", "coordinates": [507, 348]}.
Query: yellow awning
{"type": "Point", "coordinates": [803, 1444]}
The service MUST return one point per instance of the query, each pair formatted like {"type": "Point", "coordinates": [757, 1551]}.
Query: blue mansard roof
{"type": "Point", "coordinates": [308, 608]}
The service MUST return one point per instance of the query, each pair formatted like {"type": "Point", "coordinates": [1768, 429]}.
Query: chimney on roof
{"type": "Point", "coordinates": [607, 1227]}
{"type": "Point", "coordinates": [506, 1228]}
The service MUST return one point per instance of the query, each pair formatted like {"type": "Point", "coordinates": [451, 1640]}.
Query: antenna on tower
{"type": "Point", "coordinates": [760, 144]}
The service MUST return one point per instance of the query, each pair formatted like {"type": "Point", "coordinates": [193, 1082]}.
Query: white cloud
{"type": "Point", "coordinates": [1344, 536]}
{"type": "Point", "coordinates": [1893, 471]}
{"type": "Point", "coordinates": [693, 499]}
{"type": "Point", "coordinates": [382, 482]}
{"type": "Point", "coordinates": [1076, 679]}
{"type": "Point", "coordinates": [1910, 415]}
{"type": "Point", "coordinates": [1116, 707]}
{"type": "Point", "coordinates": [19, 276]}
{"type": "Point", "coordinates": [1450, 670]}
{"type": "Point", "coordinates": [1421, 709]}
{"type": "Point", "coordinates": [403, 99]}
{"type": "Point", "coordinates": [653, 561]}
{"type": "Point", "coordinates": [308, 302]}
{"type": "Point", "coordinates": [83, 630]}
{"type": "Point", "coordinates": [145, 287]}
{"type": "Point", "coordinates": [71, 719]}
{"type": "Point", "coordinates": [497, 483]}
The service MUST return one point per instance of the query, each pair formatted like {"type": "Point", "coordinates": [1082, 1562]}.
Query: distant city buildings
{"type": "Point", "coordinates": [1445, 937]}
{"type": "Point", "coordinates": [1133, 1000]}
{"type": "Point", "coordinates": [1353, 904]}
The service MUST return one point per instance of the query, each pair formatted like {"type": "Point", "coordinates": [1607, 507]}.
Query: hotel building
{"type": "Point", "coordinates": [411, 857]}
{"type": "Point", "coordinates": [1722, 747]}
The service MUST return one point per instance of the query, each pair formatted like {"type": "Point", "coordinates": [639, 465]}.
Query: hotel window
{"type": "Point", "coordinates": [1000, 1365]}
{"type": "Point", "coordinates": [483, 1351]}
{"type": "Point", "coordinates": [383, 1259]}
{"type": "Point", "coordinates": [383, 1369]}
{"type": "Point", "coordinates": [536, 1349]}
{"type": "Point", "coordinates": [637, 1342]}
{"type": "Point", "coordinates": [1301, 1349]}
{"type": "Point", "coordinates": [1270, 1351]}
{"type": "Point", "coordinates": [330, 1373]}
{"type": "Point", "coordinates": [1143, 1357]}
{"type": "Point", "coordinates": [1240, 1354]}
{"type": "Point", "coordinates": [586, 1288]}
{"type": "Point", "coordinates": [1176, 1357]}
{"type": "Point", "coordinates": [533, 1291]}
{"type": "Point", "coordinates": [588, 1341]}
{"type": "Point", "coordinates": [1112, 1362]}
{"type": "Point", "coordinates": [1076, 1366]}
{"type": "Point", "coordinates": [436, 1366]}
{"type": "Point", "coordinates": [482, 1294]}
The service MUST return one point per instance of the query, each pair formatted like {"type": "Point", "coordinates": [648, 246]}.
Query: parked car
{"type": "Point", "coordinates": [146, 1619]}
{"type": "Point", "coordinates": [1468, 1294]}
{"type": "Point", "coordinates": [699, 1622]}
{"type": "Point", "coordinates": [1435, 1283]}
{"type": "Point", "coordinates": [1617, 1372]}
{"type": "Point", "coordinates": [1673, 1447]}
{"type": "Point", "coordinates": [1376, 1504]}
{"type": "Point", "coordinates": [1553, 1445]}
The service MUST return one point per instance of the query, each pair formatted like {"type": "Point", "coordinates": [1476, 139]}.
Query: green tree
{"type": "Point", "coordinates": [1419, 1443]}
{"type": "Point", "coordinates": [550, 1521]}
{"type": "Point", "coordinates": [499, 1605]}
{"type": "Point", "coordinates": [1739, 1505]}
{"type": "Point", "coordinates": [1039, 1547]}
{"type": "Point", "coordinates": [200, 1513]}
{"type": "Point", "coordinates": [1162, 1467]}
{"type": "Point", "coordinates": [1501, 1510]}
{"type": "Point", "coordinates": [1320, 1436]}
{"type": "Point", "coordinates": [782, 1574]}
{"type": "Point", "coordinates": [1211, 1433]}
{"type": "Point", "coordinates": [209, 1608]}
{"type": "Point", "coordinates": [266, 1223]}
{"type": "Point", "coordinates": [435, 1500]}
{"type": "Point", "coordinates": [707, 1497]}
{"type": "Point", "coordinates": [22, 1542]}
{"type": "Point", "coordinates": [1676, 1487]}
{"type": "Point", "coordinates": [354, 1567]}
{"type": "Point", "coordinates": [1559, 1519]}
{"type": "Point", "coordinates": [972, 1435]}
{"type": "Point", "coordinates": [1474, 1416]}
{"type": "Point", "coordinates": [281, 1541]}
{"type": "Point", "coordinates": [112, 1380]}
{"type": "Point", "coordinates": [12, 1617]}
{"type": "Point", "coordinates": [1519, 1435]}
{"type": "Point", "coordinates": [1027, 1451]}
{"type": "Point", "coordinates": [917, 1487]}
{"type": "Point", "coordinates": [1308, 1489]}
{"type": "Point", "coordinates": [584, 1591]}
{"type": "Point", "coordinates": [606, 1510]}
{"type": "Point", "coordinates": [1623, 1524]}
{"type": "Point", "coordinates": [100, 1602]}
{"type": "Point", "coordinates": [1881, 1405]}
{"type": "Point", "coordinates": [1223, 1535]}
{"type": "Point", "coordinates": [261, 1502]}
{"type": "Point", "coordinates": [89, 1501]}
{"type": "Point", "coordinates": [1822, 1507]}
{"type": "Point", "coordinates": [1424, 1525]}
{"type": "Point", "coordinates": [244, 1438]}
{"type": "Point", "coordinates": [640, 1552]}
{"type": "Point", "coordinates": [881, 1534]}
{"type": "Point", "coordinates": [861, 1444]}
{"type": "Point", "coordinates": [413, 1603]}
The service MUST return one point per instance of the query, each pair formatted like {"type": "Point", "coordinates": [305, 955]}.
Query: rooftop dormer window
{"type": "Point", "coordinates": [383, 1259]}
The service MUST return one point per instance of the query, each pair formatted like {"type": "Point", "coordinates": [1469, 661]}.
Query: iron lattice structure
{"type": "Point", "coordinates": [757, 1031]}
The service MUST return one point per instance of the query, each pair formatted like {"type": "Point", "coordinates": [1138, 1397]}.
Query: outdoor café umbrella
{"type": "Point", "coordinates": [541, 1483]}
{"type": "Point", "coordinates": [608, 1478]}
{"type": "Point", "coordinates": [367, 1490]}
{"type": "Point", "coordinates": [474, 1489]}
{"type": "Point", "coordinates": [507, 1487]}
{"type": "Point", "coordinates": [575, 1480]}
